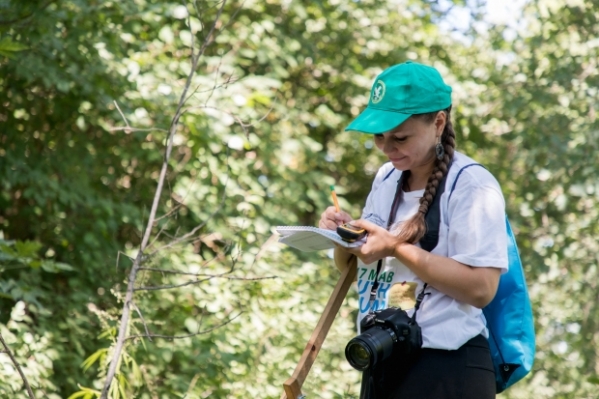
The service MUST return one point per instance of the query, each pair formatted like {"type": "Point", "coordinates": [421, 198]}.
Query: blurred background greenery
{"type": "Point", "coordinates": [259, 144]}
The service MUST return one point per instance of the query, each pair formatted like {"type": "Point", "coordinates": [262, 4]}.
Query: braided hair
{"type": "Point", "coordinates": [415, 228]}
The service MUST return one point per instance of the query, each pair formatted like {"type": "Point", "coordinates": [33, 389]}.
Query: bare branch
{"type": "Point", "coordinates": [201, 225]}
{"type": "Point", "coordinates": [125, 317]}
{"type": "Point", "coordinates": [172, 337]}
{"type": "Point", "coordinates": [227, 82]}
{"type": "Point", "coordinates": [170, 271]}
{"type": "Point", "coordinates": [271, 240]}
{"type": "Point", "coordinates": [192, 385]}
{"type": "Point", "coordinates": [226, 25]}
{"type": "Point", "coordinates": [128, 128]}
{"type": "Point", "coordinates": [14, 361]}
{"type": "Point", "coordinates": [134, 129]}
{"type": "Point", "coordinates": [118, 258]}
{"type": "Point", "coordinates": [172, 211]}
{"type": "Point", "coordinates": [159, 234]}
{"type": "Point", "coordinates": [243, 125]}
{"type": "Point", "coordinates": [143, 321]}
{"type": "Point", "coordinates": [208, 40]}
{"type": "Point", "coordinates": [193, 282]}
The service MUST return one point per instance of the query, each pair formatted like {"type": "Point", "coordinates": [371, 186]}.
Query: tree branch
{"type": "Point", "coordinates": [125, 318]}
{"type": "Point", "coordinates": [172, 337]}
{"type": "Point", "coordinates": [191, 233]}
{"type": "Point", "coordinates": [14, 361]}
{"type": "Point", "coordinates": [143, 321]}
{"type": "Point", "coordinates": [192, 282]}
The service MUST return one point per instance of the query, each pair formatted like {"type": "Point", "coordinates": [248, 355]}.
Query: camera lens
{"type": "Point", "coordinates": [358, 355]}
{"type": "Point", "coordinates": [370, 347]}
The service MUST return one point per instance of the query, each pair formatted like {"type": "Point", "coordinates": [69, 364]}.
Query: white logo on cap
{"type": "Point", "coordinates": [378, 92]}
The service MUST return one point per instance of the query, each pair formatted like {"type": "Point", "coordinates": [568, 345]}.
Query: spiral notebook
{"type": "Point", "coordinates": [309, 238]}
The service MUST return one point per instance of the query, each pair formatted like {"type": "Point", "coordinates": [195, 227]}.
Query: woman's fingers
{"type": "Point", "coordinates": [330, 218]}
{"type": "Point", "coordinates": [364, 224]}
{"type": "Point", "coordinates": [379, 242]}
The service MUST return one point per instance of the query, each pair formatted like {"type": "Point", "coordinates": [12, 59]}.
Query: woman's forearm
{"type": "Point", "coordinates": [473, 285]}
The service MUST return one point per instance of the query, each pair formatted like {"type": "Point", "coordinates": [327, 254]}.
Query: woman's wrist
{"type": "Point", "coordinates": [401, 251]}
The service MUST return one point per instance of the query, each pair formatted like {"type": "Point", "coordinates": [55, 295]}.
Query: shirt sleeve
{"type": "Point", "coordinates": [477, 234]}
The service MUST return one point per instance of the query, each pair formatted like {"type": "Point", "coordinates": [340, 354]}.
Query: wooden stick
{"type": "Point", "coordinates": [294, 383]}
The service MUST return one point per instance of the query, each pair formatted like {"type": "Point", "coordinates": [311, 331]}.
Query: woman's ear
{"type": "Point", "coordinates": [440, 121]}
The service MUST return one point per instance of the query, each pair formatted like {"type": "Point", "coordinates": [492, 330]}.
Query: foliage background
{"type": "Point", "coordinates": [260, 142]}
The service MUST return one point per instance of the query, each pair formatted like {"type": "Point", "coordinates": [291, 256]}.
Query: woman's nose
{"type": "Point", "coordinates": [388, 146]}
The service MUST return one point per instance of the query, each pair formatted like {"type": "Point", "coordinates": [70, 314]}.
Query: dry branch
{"type": "Point", "coordinates": [193, 282]}
{"type": "Point", "coordinates": [14, 361]}
{"type": "Point", "coordinates": [171, 337]}
{"type": "Point", "coordinates": [137, 263]}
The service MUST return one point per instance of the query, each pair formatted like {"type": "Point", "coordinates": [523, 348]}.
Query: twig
{"type": "Point", "coordinates": [201, 225]}
{"type": "Point", "coordinates": [135, 129]}
{"type": "Point", "coordinates": [168, 287]}
{"type": "Point", "coordinates": [14, 361]}
{"type": "Point", "coordinates": [171, 337]}
{"type": "Point", "coordinates": [157, 236]}
{"type": "Point", "coordinates": [208, 40]}
{"type": "Point", "coordinates": [142, 320]}
{"type": "Point", "coordinates": [128, 129]}
{"type": "Point", "coordinates": [205, 263]}
{"type": "Point", "coordinates": [118, 258]}
{"type": "Point", "coordinates": [125, 318]}
{"type": "Point", "coordinates": [225, 84]}
{"type": "Point", "coordinates": [215, 82]}
{"type": "Point", "coordinates": [192, 385]}
{"type": "Point", "coordinates": [271, 240]}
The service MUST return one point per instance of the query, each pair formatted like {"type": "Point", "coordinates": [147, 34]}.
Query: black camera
{"type": "Point", "coordinates": [384, 333]}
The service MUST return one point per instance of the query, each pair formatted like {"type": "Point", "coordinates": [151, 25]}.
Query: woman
{"type": "Point", "coordinates": [409, 116]}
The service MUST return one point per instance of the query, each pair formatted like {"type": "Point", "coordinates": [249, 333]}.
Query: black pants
{"type": "Point", "coordinates": [466, 373]}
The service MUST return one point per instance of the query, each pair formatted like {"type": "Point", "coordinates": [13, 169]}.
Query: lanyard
{"type": "Point", "coordinates": [392, 213]}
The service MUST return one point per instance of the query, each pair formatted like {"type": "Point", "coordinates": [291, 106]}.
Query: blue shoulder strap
{"type": "Point", "coordinates": [458, 176]}
{"type": "Point", "coordinates": [389, 174]}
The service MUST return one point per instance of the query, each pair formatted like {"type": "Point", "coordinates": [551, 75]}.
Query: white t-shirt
{"type": "Point", "coordinates": [472, 231]}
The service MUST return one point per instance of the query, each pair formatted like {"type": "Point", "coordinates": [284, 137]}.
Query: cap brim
{"type": "Point", "coordinates": [377, 121]}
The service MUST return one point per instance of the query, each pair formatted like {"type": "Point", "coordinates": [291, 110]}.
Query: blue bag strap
{"type": "Point", "coordinates": [458, 176]}
{"type": "Point", "coordinates": [389, 174]}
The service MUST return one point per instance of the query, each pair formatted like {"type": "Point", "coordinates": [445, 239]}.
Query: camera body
{"type": "Point", "coordinates": [384, 333]}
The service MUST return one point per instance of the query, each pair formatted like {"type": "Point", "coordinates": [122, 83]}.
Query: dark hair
{"type": "Point", "coordinates": [415, 228]}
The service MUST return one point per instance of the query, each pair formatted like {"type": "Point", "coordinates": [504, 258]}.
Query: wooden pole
{"type": "Point", "coordinates": [294, 383]}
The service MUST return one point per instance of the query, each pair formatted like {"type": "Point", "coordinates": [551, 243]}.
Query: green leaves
{"type": "Point", "coordinates": [8, 47]}
{"type": "Point", "coordinates": [98, 356]}
{"type": "Point", "coordinates": [85, 393]}
{"type": "Point", "coordinates": [26, 253]}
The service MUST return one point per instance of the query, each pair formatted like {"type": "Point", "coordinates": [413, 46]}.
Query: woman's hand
{"type": "Point", "coordinates": [379, 243]}
{"type": "Point", "coordinates": [330, 218]}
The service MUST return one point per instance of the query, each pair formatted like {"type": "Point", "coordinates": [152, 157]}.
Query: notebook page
{"type": "Point", "coordinates": [309, 238]}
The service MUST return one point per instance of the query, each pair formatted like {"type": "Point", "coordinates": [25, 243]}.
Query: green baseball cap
{"type": "Point", "coordinates": [399, 92]}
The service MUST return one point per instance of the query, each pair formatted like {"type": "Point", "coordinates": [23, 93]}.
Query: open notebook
{"type": "Point", "coordinates": [309, 238]}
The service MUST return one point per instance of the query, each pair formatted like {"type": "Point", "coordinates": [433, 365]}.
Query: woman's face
{"type": "Point", "coordinates": [411, 145]}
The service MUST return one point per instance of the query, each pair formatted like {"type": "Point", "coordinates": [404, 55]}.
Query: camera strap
{"type": "Point", "coordinates": [390, 220]}
{"type": "Point", "coordinates": [394, 206]}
